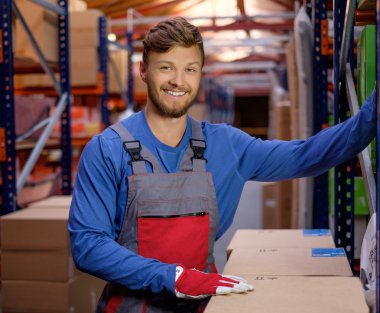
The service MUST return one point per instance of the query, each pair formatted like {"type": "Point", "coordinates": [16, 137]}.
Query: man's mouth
{"type": "Point", "coordinates": [175, 93]}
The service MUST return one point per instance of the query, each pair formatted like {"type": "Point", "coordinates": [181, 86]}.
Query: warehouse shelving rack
{"type": "Point", "coordinates": [320, 61]}
{"type": "Point", "coordinates": [7, 121]}
{"type": "Point", "coordinates": [345, 103]}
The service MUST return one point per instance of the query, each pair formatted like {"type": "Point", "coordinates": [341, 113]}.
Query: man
{"type": "Point", "coordinates": [155, 191]}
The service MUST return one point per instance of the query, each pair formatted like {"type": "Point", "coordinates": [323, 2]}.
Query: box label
{"type": "Point", "coordinates": [328, 252]}
{"type": "Point", "coordinates": [316, 232]}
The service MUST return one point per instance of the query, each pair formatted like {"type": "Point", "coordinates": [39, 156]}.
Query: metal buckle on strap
{"type": "Point", "coordinates": [199, 147]}
{"type": "Point", "coordinates": [134, 150]}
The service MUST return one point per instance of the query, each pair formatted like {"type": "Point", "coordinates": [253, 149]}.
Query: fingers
{"type": "Point", "coordinates": [239, 285]}
{"type": "Point", "coordinates": [243, 284]}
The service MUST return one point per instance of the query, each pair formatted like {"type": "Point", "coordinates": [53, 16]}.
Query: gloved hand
{"type": "Point", "coordinates": [194, 284]}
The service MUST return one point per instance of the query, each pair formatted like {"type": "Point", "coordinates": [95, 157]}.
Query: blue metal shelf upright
{"type": "Point", "coordinates": [320, 60]}
{"type": "Point", "coordinates": [377, 156]}
{"type": "Point", "coordinates": [103, 60]}
{"type": "Point", "coordinates": [7, 119]}
{"type": "Point", "coordinates": [344, 173]}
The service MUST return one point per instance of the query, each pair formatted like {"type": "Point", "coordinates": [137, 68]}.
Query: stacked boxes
{"type": "Point", "coordinates": [292, 271]}
{"type": "Point", "coordinates": [43, 25]}
{"type": "Point", "coordinates": [84, 42]}
{"type": "Point", "coordinates": [38, 274]}
{"type": "Point", "coordinates": [120, 59]}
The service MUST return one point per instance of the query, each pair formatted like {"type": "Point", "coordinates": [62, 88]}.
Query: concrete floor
{"type": "Point", "coordinates": [248, 215]}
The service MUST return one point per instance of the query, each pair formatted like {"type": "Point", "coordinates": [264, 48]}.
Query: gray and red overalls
{"type": "Point", "coordinates": [171, 217]}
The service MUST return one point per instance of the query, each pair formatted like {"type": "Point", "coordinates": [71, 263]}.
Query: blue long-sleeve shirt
{"type": "Point", "coordinates": [100, 192]}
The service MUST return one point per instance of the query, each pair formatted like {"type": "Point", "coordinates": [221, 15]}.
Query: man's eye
{"type": "Point", "coordinates": [165, 68]}
{"type": "Point", "coordinates": [191, 69]}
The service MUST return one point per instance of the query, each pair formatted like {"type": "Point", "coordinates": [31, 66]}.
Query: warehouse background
{"type": "Point", "coordinates": [273, 69]}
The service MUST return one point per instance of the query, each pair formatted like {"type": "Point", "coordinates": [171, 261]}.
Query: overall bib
{"type": "Point", "coordinates": [171, 217]}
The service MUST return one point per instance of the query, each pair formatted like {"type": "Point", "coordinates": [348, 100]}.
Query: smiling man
{"type": "Point", "coordinates": [154, 191]}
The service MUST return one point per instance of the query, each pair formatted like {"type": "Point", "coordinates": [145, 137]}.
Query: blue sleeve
{"type": "Point", "coordinates": [271, 160]}
{"type": "Point", "coordinates": [92, 227]}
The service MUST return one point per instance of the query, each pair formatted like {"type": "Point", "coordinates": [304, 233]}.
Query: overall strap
{"type": "Point", "coordinates": [138, 153]}
{"type": "Point", "coordinates": [193, 159]}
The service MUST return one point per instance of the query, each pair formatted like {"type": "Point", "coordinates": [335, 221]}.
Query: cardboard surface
{"type": "Point", "coordinates": [43, 25]}
{"type": "Point", "coordinates": [268, 205]}
{"type": "Point", "coordinates": [277, 238]}
{"type": "Point", "coordinates": [294, 295]}
{"type": "Point", "coordinates": [285, 262]}
{"type": "Point", "coordinates": [53, 202]}
{"type": "Point", "coordinates": [120, 60]}
{"type": "Point", "coordinates": [84, 28]}
{"type": "Point", "coordinates": [55, 266]}
{"type": "Point", "coordinates": [78, 295]}
{"type": "Point", "coordinates": [35, 229]}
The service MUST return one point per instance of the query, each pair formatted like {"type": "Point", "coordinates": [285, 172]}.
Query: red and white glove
{"type": "Point", "coordinates": [194, 284]}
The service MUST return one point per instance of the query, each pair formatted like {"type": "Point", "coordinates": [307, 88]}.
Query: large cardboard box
{"type": "Point", "coordinates": [84, 28]}
{"type": "Point", "coordinates": [269, 205]}
{"type": "Point", "coordinates": [35, 229]}
{"type": "Point", "coordinates": [53, 202]}
{"type": "Point", "coordinates": [294, 295]}
{"type": "Point", "coordinates": [57, 266]}
{"type": "Point", "coordinates": [84, 66]}
{"type": "Point", "coordinates": [43, 25]}
{"type": "Point", "coordinates": [286, 262]}
{"type": "Point", "coordinates": [283, 206]}
{"type": "Point", "coordinates": [280, 238]}
{"type": "Point", "coordinates": [79, 295]}
{"type": "Point", "coordinates": [120, 60]}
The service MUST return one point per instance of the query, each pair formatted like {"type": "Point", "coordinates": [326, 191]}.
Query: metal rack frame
{"type": "Point", "coordinates": [345, 98]}
{"type": "Point", "coordinates": [7, 122]}
{"type": "Point", "coordinates": [320, 59]}
{"type": "Point", "coordinates": [103, 60]}
{"type": "Point", "coordinates": [377, 156]}
{"type": "Point", "coordinates": [344, 173]}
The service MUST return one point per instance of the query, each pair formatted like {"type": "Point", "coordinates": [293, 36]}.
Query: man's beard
{"type": "Point", "coordinates": [165, 111]}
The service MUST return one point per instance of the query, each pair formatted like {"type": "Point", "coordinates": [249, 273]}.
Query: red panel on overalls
{"type": "Point", "coordinates": [176, 219]}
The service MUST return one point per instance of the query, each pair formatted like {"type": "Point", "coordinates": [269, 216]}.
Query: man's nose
{"type": "Point", "coordinates": [177, 79]}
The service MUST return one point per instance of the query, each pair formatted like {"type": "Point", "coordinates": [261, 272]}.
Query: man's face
{"type": "Point", "coordinates": [172, 79]}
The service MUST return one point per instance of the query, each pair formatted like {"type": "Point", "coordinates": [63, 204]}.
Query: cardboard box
{"type": "Point", "coordinates": [269, 205]}
{"type": "Point", "coordinates": [280, 238]}
{"type": "Point", "coordinates": [43, 25]}
{"type": "Point", "coordinates": [35, 229]}
{"type": "Point", "coordinates": [285, 262]}
{"type": "Point", "coordinates": [55, 266]}
{"type": "Point", "coordinates": [79, 295]}
{"type": "Point", "coordinates": [283, 204]}
{"type": "Point", "coordinates": [282, 120]}
{"type": "Point", "coordinates": [84, 66]}
{"type": "Point", "coordinates": [120, 60]}
{"type": "Point", "coordinates": [84, 28]}
{"type": "Point", "coordinates": [53, 202]}
{"type": "Point", "coordinates": [294, 295]}
{"type": "Point", "coordinates": [83, 71]}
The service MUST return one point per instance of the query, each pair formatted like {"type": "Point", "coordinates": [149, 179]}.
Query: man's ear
{"type": "Point", "coordinates": [143, 71]}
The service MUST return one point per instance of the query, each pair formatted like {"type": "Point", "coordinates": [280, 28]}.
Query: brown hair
{"type": "Point", "coordinates": [172, 32]}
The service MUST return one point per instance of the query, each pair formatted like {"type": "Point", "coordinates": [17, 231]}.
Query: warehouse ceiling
{"type": "Point", "coordinates": [118, 8]}
{"type": "Point", "coordinates": [240, 36]}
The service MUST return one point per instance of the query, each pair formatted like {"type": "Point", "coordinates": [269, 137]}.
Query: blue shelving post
{"type": "Point", "coordinates": [377, 155]}
{"type": "Point", "coordinates": [344, 173]}
{"type": "Point", "coordinates": [64, 72]}
{"type": "Point", "coordinates": [103, 60]}
{"type": "Point", "coordinates": [7, 116]}
{"type": "Point", "coordinates": [320, 59]}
